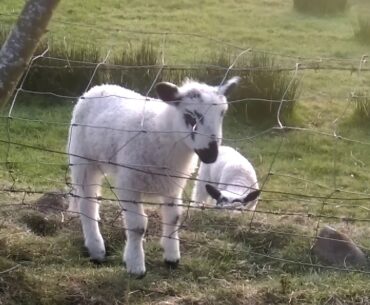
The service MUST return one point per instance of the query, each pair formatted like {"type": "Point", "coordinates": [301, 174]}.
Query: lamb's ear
{"type": "Point", "coordinates": [213, 192]}
{"type": "Point", "coordinates": [167, 92]}
{"type": "Point", "coordinates": [226, 88]}
{"type": "Point", "coordinates": [251, 196]}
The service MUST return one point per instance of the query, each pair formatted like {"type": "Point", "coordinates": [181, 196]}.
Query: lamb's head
{"type": "Point", "coordinates": [202, 109]}
{"type": "Point", "coordinates": [226, 198]}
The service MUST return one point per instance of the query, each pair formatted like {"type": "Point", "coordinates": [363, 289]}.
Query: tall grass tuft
{"type": "Point", "coordinates": [72, 75]}
{"type": "Point", "coordinates": [134, 67]}
{"type": "Point", "coordinates": [361, 102]}
{"type": "Point", "coordinates": [362, 31]}
{"type": "Point", "coordinates": [69, 77]}
{"type": "Point", "coordinates": [264, 88]}
{"type": "Point", "coordinates": [320, 7]}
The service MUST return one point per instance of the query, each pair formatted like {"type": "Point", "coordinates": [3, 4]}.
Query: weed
{"type": "Point", "coordinates": [361, 102]}
{"type": "Point", "coordinates": [362, 30]}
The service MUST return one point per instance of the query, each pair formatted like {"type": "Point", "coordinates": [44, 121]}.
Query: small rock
{"type": "Point", "coordinates": [51, 203]}
{"type": "Point", "coordinates": [336, 248]}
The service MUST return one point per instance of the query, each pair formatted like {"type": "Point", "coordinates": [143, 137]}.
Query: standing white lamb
{"type": "Point", "coordinates": [231, 181]}
{"type": "Point", "coordinates": [147, 146]}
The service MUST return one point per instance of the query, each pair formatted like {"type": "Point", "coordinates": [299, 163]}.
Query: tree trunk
{"type": "Point", "coordinates": [21, 43]}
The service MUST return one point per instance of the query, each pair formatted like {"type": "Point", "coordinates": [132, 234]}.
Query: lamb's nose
{"type": "Point", "coordinates": [208, 155]}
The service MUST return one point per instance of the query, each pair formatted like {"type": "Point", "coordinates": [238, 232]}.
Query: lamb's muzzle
{"type": "Point", "coordinates": [208, 155]}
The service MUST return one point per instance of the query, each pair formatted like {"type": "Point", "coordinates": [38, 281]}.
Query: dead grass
{"type": "Point", "coordinates": [225, 261]}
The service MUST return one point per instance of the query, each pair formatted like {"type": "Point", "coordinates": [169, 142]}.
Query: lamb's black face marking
{"type": "Point", "coordinates": [199, 117]}
{"type": "Point", "coordinates": [221, 201]}
{"type": "Point", "coordinates": [209, 154]}
{"type": "Point", "coordinates": [189, 119]}
{"type": "Point", "coordinates": [194, 95]}
{"type": "Point", "coordinates": [192, 118]}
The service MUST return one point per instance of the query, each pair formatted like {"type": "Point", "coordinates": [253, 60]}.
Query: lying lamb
{"type": "Point", "coordinates": [231, 181]}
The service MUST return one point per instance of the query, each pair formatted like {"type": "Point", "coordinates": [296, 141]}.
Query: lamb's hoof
{"type": "Point", "coordinates": [137, 276]}
{"type": "Point", "coordinates": [98, 261]}
{"type": "Point", "coordinates": [172, 264]}
{"type": "Point", "coordinates": [134, 275]}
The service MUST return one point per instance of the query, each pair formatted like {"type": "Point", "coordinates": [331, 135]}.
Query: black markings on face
{"type": "Point", "coordinates": [223, 113]}
{"type": "Point", "coordinates": [194, 95]}
{"type": "Point", "coordinates": [208, 155]}
{"type": "Point", "coordinates": [192, 118]}
{"type": "Point", "coordinates": [221, 201]}
{"type": "Point", "coordinates": [189, 119]}
{"type": "Point", "coordinates": [199, 117]}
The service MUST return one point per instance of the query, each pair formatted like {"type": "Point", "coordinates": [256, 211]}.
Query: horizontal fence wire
{"type": "Point", "coordinates": [352, 65]}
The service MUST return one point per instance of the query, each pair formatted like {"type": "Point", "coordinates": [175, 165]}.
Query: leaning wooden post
{"type": "Point", "coordinates": [21, 43]}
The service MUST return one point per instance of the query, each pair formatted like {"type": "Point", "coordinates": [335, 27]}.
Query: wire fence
{"type": "Point", "coordinates": [315, 199]}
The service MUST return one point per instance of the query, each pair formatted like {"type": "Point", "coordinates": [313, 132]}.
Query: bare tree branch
{"type": "Point", "coordinates": [22, 42]}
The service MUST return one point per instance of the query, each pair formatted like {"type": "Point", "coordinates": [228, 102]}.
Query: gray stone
{"type": "Point", "coordinates": [335, 248]}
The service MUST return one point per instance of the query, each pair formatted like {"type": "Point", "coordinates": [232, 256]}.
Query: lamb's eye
{"type": "Point", "coordinates": [189, 120]}
{"type": "Point", "coordinates": [194, 95]}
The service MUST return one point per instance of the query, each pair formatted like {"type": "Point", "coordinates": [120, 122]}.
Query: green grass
{"type": "Point", "coordinates": [249, 24]}
{"type": "Point", "coordinates": [43, 124]}
{"type": "Point", "coordinates": [226, 260]}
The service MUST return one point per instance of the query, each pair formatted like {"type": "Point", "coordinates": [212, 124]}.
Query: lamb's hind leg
{"type": "Point", "coordinates": [171, 214]}
{"type": "Point", "coordinates": [86, 181]}
{"type": "Point", "coordinates": [135, 221]}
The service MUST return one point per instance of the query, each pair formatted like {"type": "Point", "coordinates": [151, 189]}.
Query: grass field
{"type": "Point", "coordinates": [228, 258]}
{"type": "Point", "coordinates": [271, 25]}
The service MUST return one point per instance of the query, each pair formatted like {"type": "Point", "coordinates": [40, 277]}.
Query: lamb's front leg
{"type": "Point", "coordinates": [171, 214]}
{"type": "Point", "coordinates": [135, 223]}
